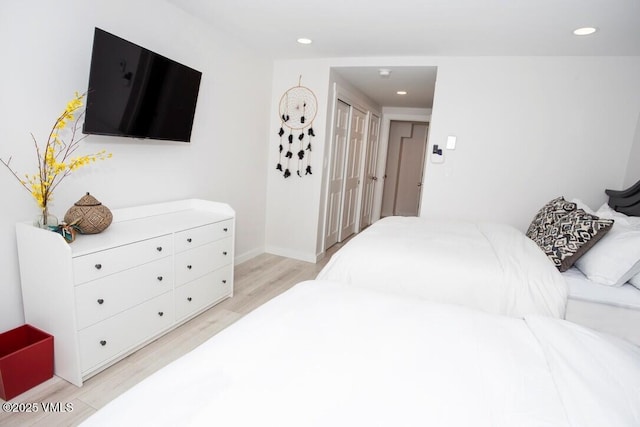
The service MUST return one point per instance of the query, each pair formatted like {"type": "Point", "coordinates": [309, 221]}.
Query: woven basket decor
{"type": "Point", "coordinates": [92, 216]}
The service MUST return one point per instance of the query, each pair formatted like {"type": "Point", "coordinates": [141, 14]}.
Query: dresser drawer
{"type": "Point", "coordinates": [105, 340]}
{"type": "Point", "coordinates": [206, 290]}
{"type": "Point", "coordinates": [198, 236]}
{"type": "Point", "coordinates": [202, 260]}
{"type": "Point", "coordinates": [100, 264]}
{"type": "Point", "coordinates": [102, 298]}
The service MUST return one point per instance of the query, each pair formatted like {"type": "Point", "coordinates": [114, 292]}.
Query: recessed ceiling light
{"type": "Point", "coordinates": [384, 72]}
{"type": "Point", "coordinates": [584, 31]}
{"type": "Point", "coordinates": [304, 40]}
{"type": "Point", "coordinates": [401, 92]}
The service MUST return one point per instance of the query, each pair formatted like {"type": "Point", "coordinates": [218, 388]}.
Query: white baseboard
{"type": "Point", "coordinates": [292, 254]}
{"type": "Point", "coordinates": [239, 259]}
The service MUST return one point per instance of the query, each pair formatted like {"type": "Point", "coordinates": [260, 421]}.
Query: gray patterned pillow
{"type": "Point", "coordinates": [547, 216]}
{"type": "Point", "coordinates": [571, 236]}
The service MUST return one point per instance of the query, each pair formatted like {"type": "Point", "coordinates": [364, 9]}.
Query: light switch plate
{"type": "Point", "coordinates": [451, 142]}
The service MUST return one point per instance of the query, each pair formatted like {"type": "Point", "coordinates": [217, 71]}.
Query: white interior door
{"type": "Point", "coordinates": [370, 178]}
{"type": "Point", "coordinates": [336, 173]}
{"type": "Point", "coordinates": [398, 131]}
{"type": "Point", "coordinates": [353, 162]}
{"type": "Point", "coordinates": [410, 172]}
{"type": "Point", "coordinates": [405, 166]}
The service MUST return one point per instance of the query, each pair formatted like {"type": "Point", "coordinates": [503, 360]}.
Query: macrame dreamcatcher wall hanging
{"type": "Point", "coordinates": [297, 109]}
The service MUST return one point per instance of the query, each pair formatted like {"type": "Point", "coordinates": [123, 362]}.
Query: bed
{"type": "Point", "coordinates": [330, 354]}
{"type": "Point", "coordinates": [604, 291]}
{"type": "Point", "coordinates": [614, 310]}
{"type": "Point", "coordinates": [498, 269]}
{"type": "Point", "coordinates": [491, 267]}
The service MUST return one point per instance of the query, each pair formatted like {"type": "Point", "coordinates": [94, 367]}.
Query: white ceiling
{"type": "Point", "coordinates": [418, 82]}
{"type": "Point", "coordinates": [370, 28]}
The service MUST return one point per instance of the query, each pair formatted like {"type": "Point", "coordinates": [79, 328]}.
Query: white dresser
{"type": "Point", "coordinates": [106, 295]}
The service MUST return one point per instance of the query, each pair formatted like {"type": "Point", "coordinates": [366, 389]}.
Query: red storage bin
{"type": "Point", "coordinates": [26, 360]}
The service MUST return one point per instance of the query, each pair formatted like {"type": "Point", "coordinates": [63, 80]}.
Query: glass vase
{"type": "Point", "coordinates": [46, 220]}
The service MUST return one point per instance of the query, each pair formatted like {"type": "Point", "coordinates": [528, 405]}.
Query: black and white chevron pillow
{"type": "Point", "coordinates": [547, 216]}
{"type": "Point", "coordinates": [571, 236]}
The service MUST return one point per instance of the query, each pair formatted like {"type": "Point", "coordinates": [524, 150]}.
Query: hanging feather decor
{"type": "Point", "coordinates": [297, 110]}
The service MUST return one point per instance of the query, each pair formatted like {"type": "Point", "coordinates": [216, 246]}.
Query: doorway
{"type": "Point", "coordinates": [351, 195]}
{"type": "Point", "coordinates": [404, 169]}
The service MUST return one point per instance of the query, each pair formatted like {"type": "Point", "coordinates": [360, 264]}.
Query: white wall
{"type": "Point", "coordinates": [46, 49]}
{"type": "Point", "coordinates": [293, 203]}
{"type": "Point", "coordinates": [528, 128]}
{"type": "Point", "coordinates": [633, 166]}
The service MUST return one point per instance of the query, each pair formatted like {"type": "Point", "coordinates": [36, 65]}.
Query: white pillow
{"type": "Point", "coordinates": [582, 205]}
{"type": "Point", "coordinates": [606, 211]}
{"type": "Point", "coordinates": [616, 257]}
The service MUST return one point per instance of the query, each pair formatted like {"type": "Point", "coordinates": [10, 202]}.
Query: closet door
{"type": "Point", "coordinates": [370, 178]}
{"type": "Point", "coordinates": [336, 173]}
{"type": "Point", "coordinates": [353, 163]}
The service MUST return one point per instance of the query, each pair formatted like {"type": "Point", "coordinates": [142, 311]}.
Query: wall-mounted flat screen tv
{"type": "Point", "coordinates": [135, 92]}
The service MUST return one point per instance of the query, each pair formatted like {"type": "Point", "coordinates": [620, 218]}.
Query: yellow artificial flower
{"type": "Point", "coordinates": [54, 161]}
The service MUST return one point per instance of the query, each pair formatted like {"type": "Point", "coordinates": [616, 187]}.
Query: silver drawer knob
{"type": "Point", "coordinates": [159, 249]}
{"type": "Point", "coordinates": [103, 343]}
{"type": "Point", "coordinates": [100, 301]}
{"type": "Point", "coordinates": [159, 278]}
{"type": "Point", "coordinates": [224, 252]}
{"type": "Point", "coordinates": [189, 240]}
{"type": "Point", "coordinates": [98, 266]}
{"type": "Point", "coordinates": [189, 299]}
{"type": "Point", "coordinates": [224, 281]}
{"type": "Point", "coordinates": [161, 313]}
{"type": "Point", "coordinates": [189, 266]}
{"type": "Point", "coordinates": [225, 229]}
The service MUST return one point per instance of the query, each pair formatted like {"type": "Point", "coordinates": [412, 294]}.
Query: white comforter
{"type": "Point", "coordinates": [492, 267]}
{"type": "Point", "coordinates": [326, 354]}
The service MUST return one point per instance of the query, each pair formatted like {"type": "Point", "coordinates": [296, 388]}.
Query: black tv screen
{"type": "Point", "coordinates": [135, 92]}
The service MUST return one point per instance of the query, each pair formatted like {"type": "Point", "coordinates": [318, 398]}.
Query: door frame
{"type": "Point", "coordinates": [383, 149]}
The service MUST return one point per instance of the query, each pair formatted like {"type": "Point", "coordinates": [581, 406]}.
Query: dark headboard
{"type": "Point", "coordinates": [626, 201]}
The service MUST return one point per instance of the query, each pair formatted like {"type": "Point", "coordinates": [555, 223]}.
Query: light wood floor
{"type": "Point", "coordinates": [256, 282]}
